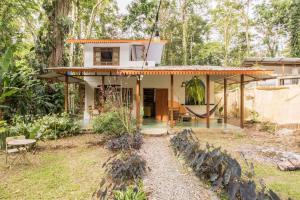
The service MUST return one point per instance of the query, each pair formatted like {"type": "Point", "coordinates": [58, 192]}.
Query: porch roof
{"type": "Point", "coordinates": [94, 41]}
{"type": "Point", "coordinates": [59, 77]}
{"type": "Point", "coordinates": [219, 72]}
{"type": "Point", "coordinates": [165, 70]}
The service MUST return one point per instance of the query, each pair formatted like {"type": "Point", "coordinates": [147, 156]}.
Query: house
{"type": "Point", "coordinates": [286, 70]}
{"type": "Point", "coordinates": [154, 91]}
{"type": "Point", "coordinates": [275, 100]}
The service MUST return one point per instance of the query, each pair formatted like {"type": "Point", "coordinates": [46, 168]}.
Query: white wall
{"type": "Point", "coordinates": [154, 54]}
{"type": "Point", "coordinates": [278, 104]}
{"type": "Point", "coordinates": [148, 81]}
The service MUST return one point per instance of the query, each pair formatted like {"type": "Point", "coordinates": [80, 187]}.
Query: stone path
{"type": "Point", "coordinates": [168, 179]}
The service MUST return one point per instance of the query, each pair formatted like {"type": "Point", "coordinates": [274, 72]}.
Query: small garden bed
{"type": "Point", "coordinates": [219, 169]}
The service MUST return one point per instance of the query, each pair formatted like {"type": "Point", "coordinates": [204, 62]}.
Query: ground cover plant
{"type": "Point", "coordinates": [52, 126]}
{"type": "Point", "coordinates": [131, 193]}
{"type": "Point", "coordinates": [218, 168]}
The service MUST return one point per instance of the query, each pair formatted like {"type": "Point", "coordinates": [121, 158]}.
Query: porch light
{"type": "Point", "coordinates": [183, 84]}
{"type": "Point", "coordinates": [156, 36]}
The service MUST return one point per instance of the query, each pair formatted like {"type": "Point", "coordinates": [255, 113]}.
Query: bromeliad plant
{"type": "Point", "coordinates": [218, 168]}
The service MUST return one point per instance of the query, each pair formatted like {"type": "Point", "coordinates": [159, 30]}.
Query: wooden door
{"type": "Point", "coordinates": [161, 104]}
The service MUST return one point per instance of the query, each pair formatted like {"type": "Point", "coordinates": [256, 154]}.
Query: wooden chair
{"type": "Point", "coordinates": [10, 150]}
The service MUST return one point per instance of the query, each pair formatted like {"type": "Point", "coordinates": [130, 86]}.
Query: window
{"type": "Point", "coordinates": [137, 53]}
{"type": "Point", "coordinates": [106, 56]}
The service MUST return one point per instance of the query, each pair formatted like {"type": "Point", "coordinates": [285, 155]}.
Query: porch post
{"type": "Point", "coordinates": [66, 90]}
{"type": "Point", "coordinates": [225, 100]}
{"type": "Point", "coordinates": [172, 99]}
{"type": "Point", "coordinates": [103, 93]}
{"type": "Point", "coordinates": [242, 87]}
{"type": "Point", "coordinates": [207, 101]}
{"type": "Point", "coordinates": [137, 101]}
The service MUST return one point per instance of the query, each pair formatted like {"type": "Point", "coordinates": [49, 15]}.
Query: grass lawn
{"type": "Point", "coordinates": [68, 168]}
{"type": "Point", "coordinates": [286, 184]}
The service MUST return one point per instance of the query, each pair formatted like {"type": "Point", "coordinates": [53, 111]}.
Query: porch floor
{"type": "Point", "coordinates": [157, 128]}
{"type": "Point", "coordinates": [152, 123]}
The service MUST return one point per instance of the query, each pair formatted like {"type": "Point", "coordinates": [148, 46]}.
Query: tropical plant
{"type": "Point", "coordinates": [114, 122]}
{"type": "Point", "coordinates": [195, 91]}
{"type": "Point", "coordinates": [126, 167]}
{"type": "Point", "coordinates": [125, 142]}
{"type": "Point", "coordinates": [221, 109]}
{"type": "Point", "coordinates": [3, 133]}
{"type": "Point", "coordinates": [218, 167]}
{"type": "Point", "coordinates": [131, 193]}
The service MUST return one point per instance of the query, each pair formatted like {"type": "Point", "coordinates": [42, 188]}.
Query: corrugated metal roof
{"type": "Point", "coordinates": [86, 41]}
{"type": "Point", "coordinates": [59, 77]}
{"type": "Point", "coordinates": [249, 62]}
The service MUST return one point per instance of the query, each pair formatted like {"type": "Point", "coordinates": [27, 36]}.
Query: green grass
{"type": "Point", "coordinates": [62, 174]}
{"type": "Point", "coordinates": [287, 184]}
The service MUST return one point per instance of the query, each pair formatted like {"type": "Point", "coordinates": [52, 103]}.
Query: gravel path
{"type": "Point", "coordinates": [168, 179]}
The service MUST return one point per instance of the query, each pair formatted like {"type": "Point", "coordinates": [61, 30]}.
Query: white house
{"type": "Point", "coordinates": [156, 91]}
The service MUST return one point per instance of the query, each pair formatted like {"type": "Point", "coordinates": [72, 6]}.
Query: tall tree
{"type": "Point", "coordinates": [225, 18]}
{"type": "Point", "coordinates": [294, 28]}
{"type": "Point", "coordinates": [271, 20]}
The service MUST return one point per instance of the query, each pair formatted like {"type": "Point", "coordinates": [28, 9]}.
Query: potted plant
{"type": "Point", "coordinates": [220, 119]}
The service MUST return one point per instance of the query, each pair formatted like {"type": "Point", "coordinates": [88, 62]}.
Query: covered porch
{"type": "Point", "coordinates": [170, 78]}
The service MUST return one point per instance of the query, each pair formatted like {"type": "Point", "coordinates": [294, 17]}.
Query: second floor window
{"type": "Point", "coordinates": [137, 53]}
{"type": "Point", "coordinates": [106, 56]}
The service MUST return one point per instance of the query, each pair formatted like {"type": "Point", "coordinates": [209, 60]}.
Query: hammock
{"type": "Point", "coordinates": [205, 114]}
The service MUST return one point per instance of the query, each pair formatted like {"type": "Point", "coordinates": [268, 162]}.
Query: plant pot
{"type": "Point", "coordinates": [220, 120]}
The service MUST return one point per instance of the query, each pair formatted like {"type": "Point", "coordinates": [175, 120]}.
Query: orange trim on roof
{"type": "Point", "coordinates": [160, 72]}
{"type": "Point", "coordinates": [85, 41]}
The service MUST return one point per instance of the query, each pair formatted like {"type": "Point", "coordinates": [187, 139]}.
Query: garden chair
{"type": "Point", "coordinates": [10, 150]}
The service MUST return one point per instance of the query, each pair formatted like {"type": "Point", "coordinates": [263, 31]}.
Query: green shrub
{"type": "Point", "coordinates": [54, 126]}
{"type": "Point", "coordinates": [132, 193]}
{"type": "Point", "coordinates": [3, 133]}
{"type": "Point", "coordinates": [267, 127]}
{"type": "Point", "coordinates": [20, 126]}
{"type": "Point", "coordinates": [112, 123]}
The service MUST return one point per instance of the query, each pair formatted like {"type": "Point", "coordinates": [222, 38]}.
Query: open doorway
{"type": "Point", "coordinates": [149, 103]}
{"type": "Point", "coordinates": [156, 104]}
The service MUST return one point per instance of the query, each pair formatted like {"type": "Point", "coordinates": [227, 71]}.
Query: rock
{"type": "Point", "coordinates": [284, 132]}
{"type": "Point", "coordinates": [289, 164]}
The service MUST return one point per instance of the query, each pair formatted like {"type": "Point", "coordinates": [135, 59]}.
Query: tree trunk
{"type": "Point", "coordinates": [184, 31]}
{"type": "Point", "coordinates": [61, 10]}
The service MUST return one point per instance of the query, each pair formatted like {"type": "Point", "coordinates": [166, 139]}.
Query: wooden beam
{"type": "Point", "coordinates": [66, 91]}
{"type": "Point", "coordinates": [172, 100]}
{"type": "Point", "coordinates": [103, 93]}
{"type": "Point", "coordinates": [242, 87]}
{"type": "Point", "coordinates": [225, 100]}
{"type": "Point", "coordinates": [138, 103]}
{"type": "Point", "coordinates": [207, 101]}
